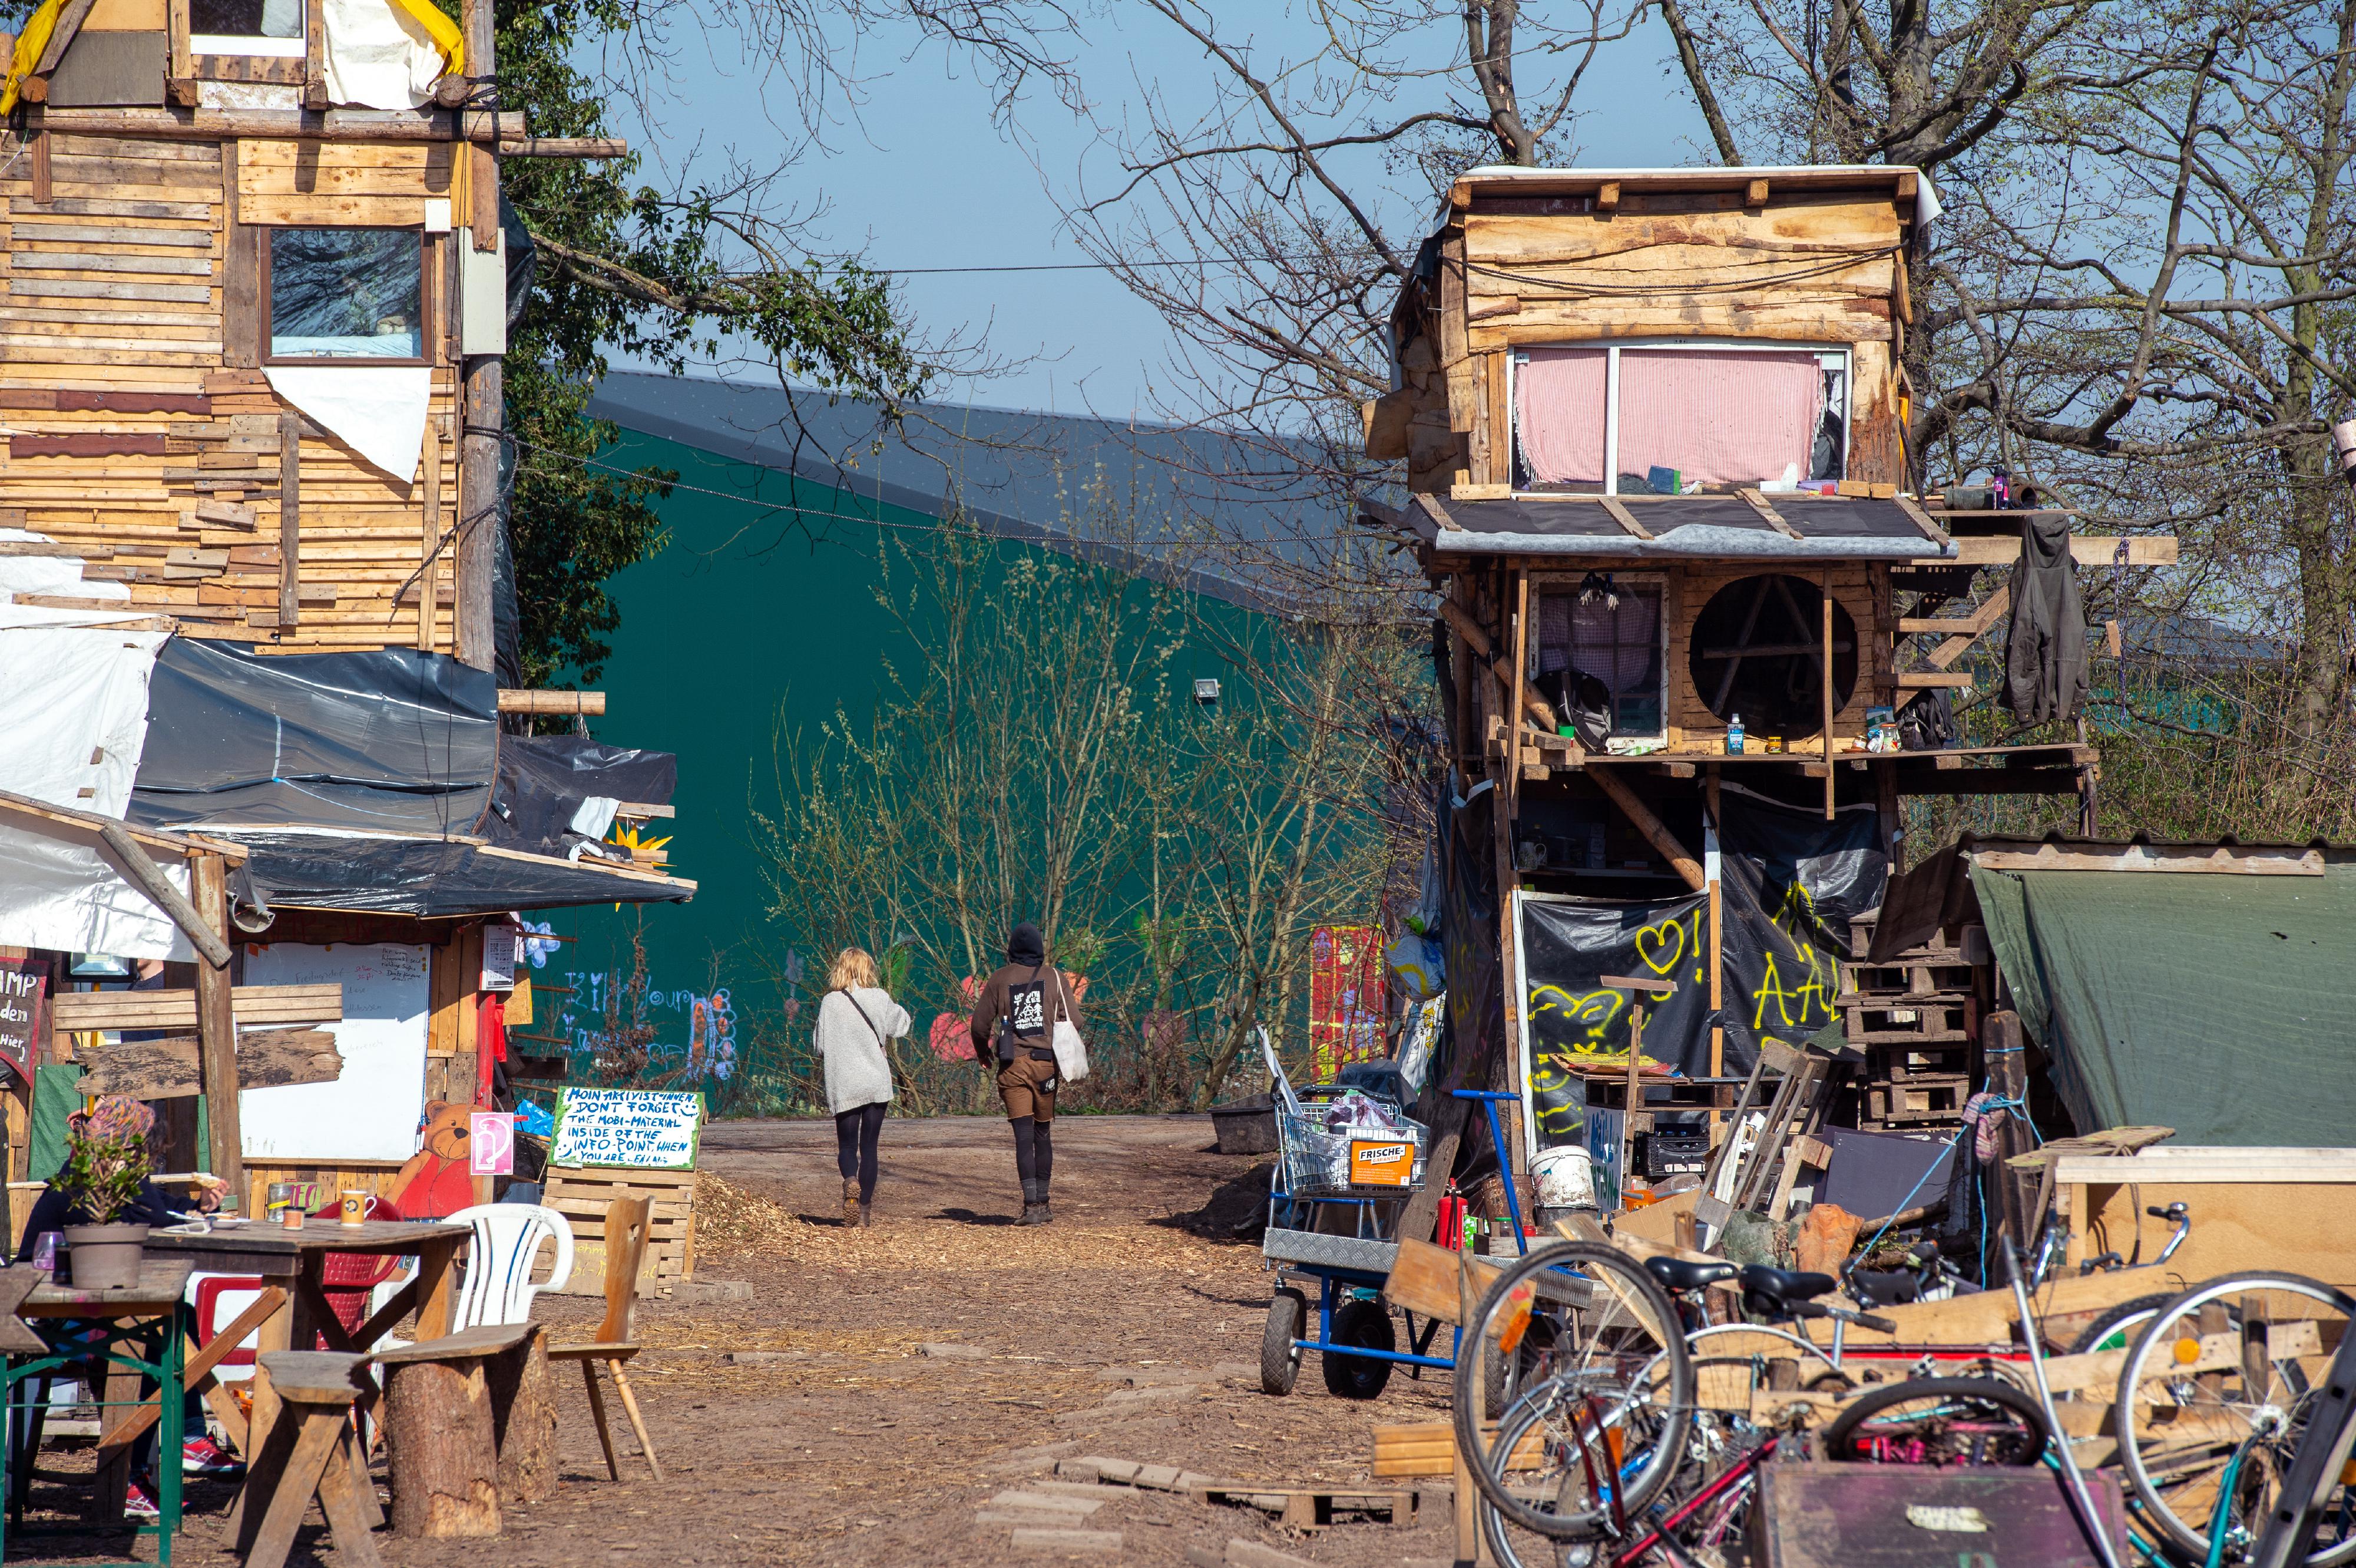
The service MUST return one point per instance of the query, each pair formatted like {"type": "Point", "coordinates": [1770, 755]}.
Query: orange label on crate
{"type": "Point", "coordinates": [1381, 1165]}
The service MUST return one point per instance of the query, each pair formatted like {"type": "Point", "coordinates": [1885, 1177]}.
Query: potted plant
{"type": "Point", "coordinates": [107, 1163]}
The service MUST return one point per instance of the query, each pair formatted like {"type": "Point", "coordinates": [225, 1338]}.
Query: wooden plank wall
{"type": "Point", "coordinates": [1521, 271]}
{"type": "Point", "coordinates": [129, 370]}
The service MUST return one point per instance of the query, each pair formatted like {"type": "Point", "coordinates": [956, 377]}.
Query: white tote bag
{"type": "Point", "coordinates": [1071, 1051]}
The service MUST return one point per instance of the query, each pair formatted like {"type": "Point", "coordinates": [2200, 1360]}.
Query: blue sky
{"type": "Point", "coordinates": [922, 177]}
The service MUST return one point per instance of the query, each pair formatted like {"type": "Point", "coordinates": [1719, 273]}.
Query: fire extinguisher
{"type": "Point", "coordinates": [1451, 1219]}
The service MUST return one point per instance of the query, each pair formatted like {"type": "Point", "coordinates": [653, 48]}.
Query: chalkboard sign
{"type": "Point", "coordinates": [21, 987]}
{"type": "Point", "coordinates": [647, 1128]}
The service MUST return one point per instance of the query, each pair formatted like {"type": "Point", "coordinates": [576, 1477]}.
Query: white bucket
{"type": "Point", "coordinates": [1565, 1177]}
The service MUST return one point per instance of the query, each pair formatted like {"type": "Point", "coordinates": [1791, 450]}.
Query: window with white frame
{"type": "Point", "coordinates": [1675, 417]}
{"type": "Point", "coordinates": [1611, 628]}
{"type": "Point", "coordinates": [246, 27]}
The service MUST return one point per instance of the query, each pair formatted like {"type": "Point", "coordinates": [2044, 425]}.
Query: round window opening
{"type": "Point", "coordinates": [1758, 650]}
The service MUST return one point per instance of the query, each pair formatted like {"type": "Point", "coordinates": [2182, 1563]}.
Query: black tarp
{"type": "Point", "coordinates": [1789, 884]}
{"type": "Point", "coordinates": [353, 778]}
{"type": "Point", "coordinates": [392, 741]}
{"type": "Point", "coordinates": [543, 779]}
{"type": "Point", "coordinates": [430, 878]}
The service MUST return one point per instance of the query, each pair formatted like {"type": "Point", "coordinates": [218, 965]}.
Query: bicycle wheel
{"type": "Point", "coordinates": [1601, 1406]}
{"type": "Point", "coordinates": [1938, 1421]}
{"type": "Point", "coordinates": [2116, 1329]}
{"type": "Point", "coordinates": [2208, 1415]}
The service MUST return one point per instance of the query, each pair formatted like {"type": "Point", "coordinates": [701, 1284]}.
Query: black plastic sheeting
{"type": "Point", "coordinates": [294, 755]}
{"type": "Point", "coordinates": [427, 879]}
{"type": "Point", "coordinates": [543, 779]}
{"type": "Point", "coordinates": [393, 741]}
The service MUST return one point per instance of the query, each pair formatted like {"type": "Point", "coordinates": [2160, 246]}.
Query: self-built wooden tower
{"type": "Point", "coordinates": [1620, 396]}
{"type": "Point", "coordinates": [194, 220]}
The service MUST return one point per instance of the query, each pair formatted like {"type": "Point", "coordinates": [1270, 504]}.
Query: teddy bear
{"type": "Point", "coordinates": [435, 1183]}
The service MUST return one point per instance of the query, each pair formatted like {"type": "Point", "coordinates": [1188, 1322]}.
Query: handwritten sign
{"type": "Point", "coordinates": [646, 1128]}
{"type": "Point", "coordinates": [21, 986]}
{"type": "Point", "coordinates": [490, 1143]}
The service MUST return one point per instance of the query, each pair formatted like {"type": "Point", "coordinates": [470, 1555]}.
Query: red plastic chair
{"type": "Point", "coordinates": [210, 1288]}
{"type": "Point", "coordinates": [348, 1279]}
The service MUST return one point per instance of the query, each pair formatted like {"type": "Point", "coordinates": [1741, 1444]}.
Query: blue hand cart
{"type": "Point", "coordinates": [1311, 1196]}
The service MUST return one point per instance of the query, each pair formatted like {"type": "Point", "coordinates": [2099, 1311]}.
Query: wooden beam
{"type": "Point", "coordinates": [1465, 626]}
{"type": "Point", "coordinates": [1606, 197]}
{"type": "Point", "coordinates": [217, 1030]}
{"type": "Point", "coordinates": [1925, 680]}
{"type": "Point", "coordinates": [336, 124]}
{"type": "Point", "coordinates": [639, 811]}
{"type": "Point", "coordinates": [1438, 513]}
{"type": "Point", "coordinates": [2086, 549]}
{"type": "Point", "coordinates": [147, 876]}
{"type": "Point", "coordinates": [290, 516]}
{"type": "Point", "coordinates": [1655, 831]}
{"type": "Point", "coordinates": [429, 534]}
{"type": "Point", "coordinates": [1918, 517]}
{"type": "Point", "coordinates": [1947, 652]}
{"type": "Point", "coordinates": [564, 147]}
{"type": "Point", "coordinates": [173, 1067]}
{"type": "Point", "coordinates": [1625, 517]}
{"type": "Point", "coordinates": [1825, 668]}
{"type": "Point", "coordinates": [62, 36]}
{"type": "Point", "coordinates": [514, 700]}
{"type": "Point", "coordinates": [1772, 517]}
{"type": "Point", "coordinates": [86, 828]}
{"type": "Point", "coordinates": [1754, 195]}
{"type": "Point", "coordinates": [79, 1012]}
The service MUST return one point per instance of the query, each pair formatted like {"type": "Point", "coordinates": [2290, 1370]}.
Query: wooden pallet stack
{"type": "Point", "coordinates": [1915, 1021]}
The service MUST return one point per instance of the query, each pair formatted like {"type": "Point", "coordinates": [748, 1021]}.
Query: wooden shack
{"type": "Point", "coordinates": [252, 311]}
{"type": "Point", "coordinates": [1654, 424]}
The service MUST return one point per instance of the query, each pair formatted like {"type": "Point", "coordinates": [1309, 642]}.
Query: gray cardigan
{"type": "Point", "coordinates": [856, 1071]}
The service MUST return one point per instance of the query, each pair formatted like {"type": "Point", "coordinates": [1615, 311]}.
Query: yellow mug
{"type": "Point", "coordinates": [355, 1210]}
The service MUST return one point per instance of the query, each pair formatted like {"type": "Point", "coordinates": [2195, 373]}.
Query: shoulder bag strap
{"type": "Point", "coordinates": [845, 993]}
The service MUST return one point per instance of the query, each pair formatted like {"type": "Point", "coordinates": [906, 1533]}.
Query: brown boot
{"type": "Point", "coordinates": [867, 1216]}
{"type": "Point", "coordinates": [850, 1200]}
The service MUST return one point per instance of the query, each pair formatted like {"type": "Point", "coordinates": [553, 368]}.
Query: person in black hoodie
{"type": "Point", "coordinates": [1013, 1031]}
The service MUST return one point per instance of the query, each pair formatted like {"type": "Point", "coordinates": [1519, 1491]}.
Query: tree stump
{"type": "Point", "coordinates": [440, 1449]}
{"type": "Point", "coordinates": [523, 1421]}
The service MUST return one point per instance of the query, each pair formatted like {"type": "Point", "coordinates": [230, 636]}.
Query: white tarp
{"type": "Point", "coordinates": [378, 410]}
{"type": "Point", "coordinates": [78, 690]}
{"type": "Point", "coordinates": [65, 897]}
{"type": "Point", "coordinates": [378, 56]}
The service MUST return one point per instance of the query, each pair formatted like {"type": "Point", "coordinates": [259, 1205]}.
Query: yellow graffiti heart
{"type": "Point", "coordinates": [1660, 936]}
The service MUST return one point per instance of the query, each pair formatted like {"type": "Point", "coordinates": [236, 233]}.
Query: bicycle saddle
{"type": "Point", "coordinates": [1678, 1275]}
{"type": "Point", "coordinates": [1886, 1288]}
{"type": "Point", "coordinates": [1784, 1287]}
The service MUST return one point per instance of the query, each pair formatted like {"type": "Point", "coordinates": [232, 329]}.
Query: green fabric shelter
{"type": "Point", "coordinates": [2222, 1005]}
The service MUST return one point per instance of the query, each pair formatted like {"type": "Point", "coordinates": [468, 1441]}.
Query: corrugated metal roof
{"type": "Point", "coordinates": [1682, 527]}
{"type": "Point", "coordinates": [1219, 513]}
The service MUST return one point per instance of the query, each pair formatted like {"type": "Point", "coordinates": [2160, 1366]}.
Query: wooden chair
{"type": "Point", "coordinates": [626, 1245]}
{"type": "Point", "coordinates": [311, 1451]}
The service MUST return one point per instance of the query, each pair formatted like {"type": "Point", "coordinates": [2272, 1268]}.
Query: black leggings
{"type": "Point", "coordinates": [855, 1132]}
{"type": "Point", "coordinates": [1034, 1147]}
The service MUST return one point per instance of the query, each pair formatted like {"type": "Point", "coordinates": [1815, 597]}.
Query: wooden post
{"type": "Point", "coordinates": [290, 515]}
{"type": "Point", "coordinates": [1657, 833]}
{"type": "Point", "coordinates": [429, 534]}
{"type": "Point", "coordinates": [1521, 677]}
{"type": "Point", "coordinates": [2003, 1053]}
{"type": "Point", "coordinates": [216, 1028]}
{"type": "Point", "coordinates": [482, 402]}
{"type": "Point", "coordinates": [1828, 693]}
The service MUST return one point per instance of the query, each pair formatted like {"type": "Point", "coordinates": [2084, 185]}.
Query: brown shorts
{"type": "Point", "coordinates": [1028, 1086]}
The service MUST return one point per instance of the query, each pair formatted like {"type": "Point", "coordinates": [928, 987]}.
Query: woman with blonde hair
{"type": "Point", "coordinates": [854, 1018]}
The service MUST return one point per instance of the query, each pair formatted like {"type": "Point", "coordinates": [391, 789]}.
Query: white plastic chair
{"type": "Point", "coordinates": [497, 1287]}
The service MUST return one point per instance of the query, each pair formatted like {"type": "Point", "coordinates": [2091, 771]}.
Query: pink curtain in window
{"type": "Point", "coordinates": [1558, 410]}
{"type": "Point", "coordinates": [1718, 418]}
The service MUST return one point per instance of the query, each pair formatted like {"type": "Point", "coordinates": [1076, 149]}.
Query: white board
{"type": "Point", "coordinates": [650, 1129]}
{"type": "Point", "coordinates": [372, 1112]}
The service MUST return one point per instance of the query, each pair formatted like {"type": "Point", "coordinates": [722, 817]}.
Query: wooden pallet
{"type": "Point", "coordinates": [1880, 1021]}
{"type": "Point", "coordinates": [1920, 977]}
{"type": "Point", "coordinates": [581, 1193]}
{"type": "Point", "coordinates": [1902, 1064]}
{"type": "Point", "coordinates": [1314, 1508]}
{"type": "Point", "coordinates": [1927, 1101]}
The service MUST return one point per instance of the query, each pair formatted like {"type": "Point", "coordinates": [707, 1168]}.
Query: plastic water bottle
{"type": "Point", "coordinates": [1734, 736]}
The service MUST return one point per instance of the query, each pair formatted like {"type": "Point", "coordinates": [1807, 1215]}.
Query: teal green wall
{"type": "Point", "coordinates": [755, 612]}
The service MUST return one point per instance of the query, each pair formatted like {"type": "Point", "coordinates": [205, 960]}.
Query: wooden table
{"type": "Point", "coordinates": [136, 1329]}
{"type": "Point", "coordinates": [295, 1261]}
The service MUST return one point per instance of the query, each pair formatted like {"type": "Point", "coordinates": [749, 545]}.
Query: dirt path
{"type": "Point", "coordinates": [808, 1425]}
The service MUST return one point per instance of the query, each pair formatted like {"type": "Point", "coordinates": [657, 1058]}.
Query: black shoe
{"type": "Point", "coordinates": [1035, 1214]}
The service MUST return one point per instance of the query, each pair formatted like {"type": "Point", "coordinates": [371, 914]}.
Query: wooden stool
{"type": "Point", "coordinates": [440, 1434]}
{"type": "Point", "coordinates": [315, 1454]}
{"type": "Point", "coordinates": [625, 1246]}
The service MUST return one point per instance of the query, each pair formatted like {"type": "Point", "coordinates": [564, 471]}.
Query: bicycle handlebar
{"type": "Point", "coordinates": [1841, 1315]}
